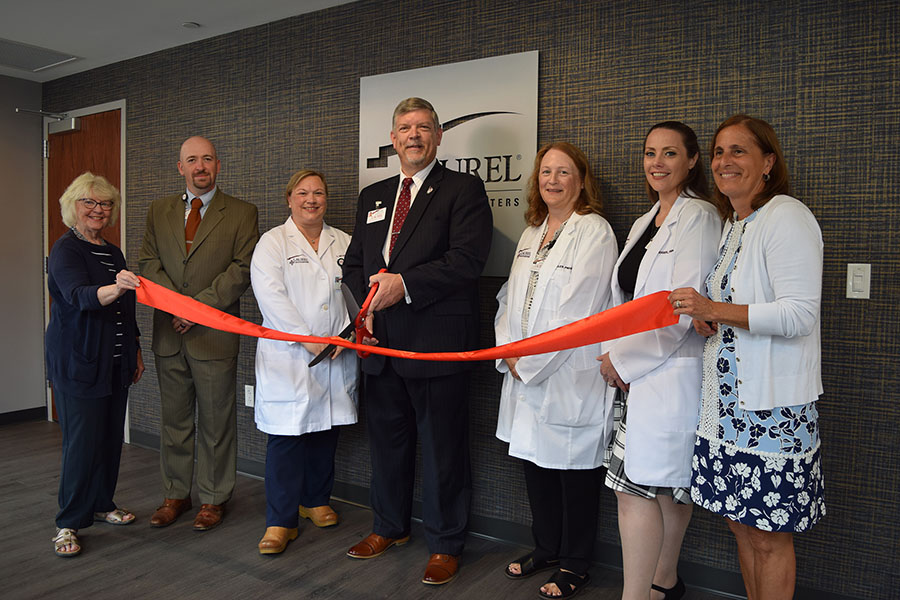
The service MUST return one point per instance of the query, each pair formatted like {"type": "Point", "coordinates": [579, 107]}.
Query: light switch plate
{"type": "Point", "coordinates": [859, 278]}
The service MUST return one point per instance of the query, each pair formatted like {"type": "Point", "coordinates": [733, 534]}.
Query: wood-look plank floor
{"type": "Point", "coordinates": [137, 561]}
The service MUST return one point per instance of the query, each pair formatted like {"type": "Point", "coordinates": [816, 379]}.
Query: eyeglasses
{"type": "Point", "coordinates": [90, 203]}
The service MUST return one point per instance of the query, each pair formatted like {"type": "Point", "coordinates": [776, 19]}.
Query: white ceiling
{"type": "Point", "coordinates": [102, 32]}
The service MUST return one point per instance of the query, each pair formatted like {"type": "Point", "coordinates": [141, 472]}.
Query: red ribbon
{"type": "Point", "coordinates": [644, 314]}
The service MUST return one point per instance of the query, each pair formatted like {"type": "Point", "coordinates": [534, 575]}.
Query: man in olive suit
{"type": "Point", "coordinates": [198, 243]}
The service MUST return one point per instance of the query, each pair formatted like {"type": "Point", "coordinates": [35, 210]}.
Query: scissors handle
{"type": "Point", "coordinates": [362, 331]}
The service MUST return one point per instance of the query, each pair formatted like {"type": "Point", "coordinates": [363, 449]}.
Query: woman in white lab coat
{"type": "Point", "coordinates": [655, 375]}
{"type": "Point", "coordinates": [551, 413]}
{"type": "Point", "coordinates": [296, 277]}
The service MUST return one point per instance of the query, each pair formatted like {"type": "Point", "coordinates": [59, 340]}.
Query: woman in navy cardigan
{"type": "Point", "coordinates": [93, 356]}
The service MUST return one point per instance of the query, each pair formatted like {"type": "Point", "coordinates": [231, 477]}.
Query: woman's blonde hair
{"type": "Point", "coordinates": [299, 176]}
{"type": "Point", "coordinates": [84, 186]}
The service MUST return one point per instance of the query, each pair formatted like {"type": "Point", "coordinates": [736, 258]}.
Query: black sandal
{"type": "Point", "coordinates": [569, 584]}
{"type": "Point", "coordinates": [673, 593]}
{"type": "Point", "coordinates": [528, 566]}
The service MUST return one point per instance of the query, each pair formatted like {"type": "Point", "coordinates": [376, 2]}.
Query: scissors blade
{"type": "Point", "coordinates": [348, 333]}
{"type": "Point", "coordinates": [350, 301]}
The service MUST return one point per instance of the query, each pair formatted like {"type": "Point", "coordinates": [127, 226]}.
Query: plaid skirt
{"type": "Point", "coordinates": [614, 461]}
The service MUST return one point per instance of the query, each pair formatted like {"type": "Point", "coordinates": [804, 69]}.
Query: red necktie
{"type": "Point", "coordinates": [193, 222]}
{"type": "Point", "coordinates": [400, 214]}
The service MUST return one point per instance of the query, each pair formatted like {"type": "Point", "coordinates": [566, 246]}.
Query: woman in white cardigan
{"type": "Point", "coordinates": [550, 413]}
{"type": "Point", "coordinates": [756, 461]}
{"type": "Point", "coordinates": [655, 375]}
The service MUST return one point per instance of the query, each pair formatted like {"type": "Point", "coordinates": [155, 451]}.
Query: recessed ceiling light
{"type": "Point", "coordinates": [191, 25]}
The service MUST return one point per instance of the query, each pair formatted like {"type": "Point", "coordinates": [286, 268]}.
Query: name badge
{"type": "Point", "coordinates": [376, 215]}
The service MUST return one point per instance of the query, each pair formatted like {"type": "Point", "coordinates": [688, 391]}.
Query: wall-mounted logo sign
{"type": "Point", "coordinates": [488, 109]}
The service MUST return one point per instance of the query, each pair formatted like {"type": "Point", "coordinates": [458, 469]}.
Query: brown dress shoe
{"type": "Point", "coordinates": [441, 569]}
{"type": "Point", "coordinates": [374, 545]}
{"type": "Point", "coordinates": [209, 516]}
{"type": "Point", "coordinates": [321, 516]}
{"type": "Point", "coordinates": [170, 510]}
{"type": "Point", "coordinates": [276, 539]}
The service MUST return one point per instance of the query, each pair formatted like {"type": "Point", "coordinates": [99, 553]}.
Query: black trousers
{"type": "Point", "coordinates": [565, 505]}
{"type": "Point", "coordinates": [434, 410]}
{"type": "Point", "coordinates": [299, 470]}
{"type": "Point", "coordinates": [92, 431]}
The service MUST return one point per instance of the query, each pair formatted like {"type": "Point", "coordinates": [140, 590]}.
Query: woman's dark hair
{"type": "Point", "coordinates": [779, 181]}
{"type": "Point", "coordinates": [694, 185]}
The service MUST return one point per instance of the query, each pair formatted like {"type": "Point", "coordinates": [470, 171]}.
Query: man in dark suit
{"type": "Point", "coordinates": [431, 227]}
{"type": "Point", "coordinates": [199, 244]}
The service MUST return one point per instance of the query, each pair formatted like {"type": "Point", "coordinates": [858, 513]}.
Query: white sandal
{"type": "Point", "coordinates": [115, 517]}
{"type": "Point", "coordinates": [66, 537]}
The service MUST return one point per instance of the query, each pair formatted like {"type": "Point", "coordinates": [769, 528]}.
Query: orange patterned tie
{"type": "Point", "coordinates": [402, 211]}
{"type": "Point", "coordinates": [193, 222]}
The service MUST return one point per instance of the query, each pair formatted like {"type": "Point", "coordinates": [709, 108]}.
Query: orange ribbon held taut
{"type": "Point", "coordinates": [644, 314]}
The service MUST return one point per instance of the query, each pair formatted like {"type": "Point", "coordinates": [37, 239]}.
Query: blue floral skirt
{"type": "Point", "coordinates": [772, 493]}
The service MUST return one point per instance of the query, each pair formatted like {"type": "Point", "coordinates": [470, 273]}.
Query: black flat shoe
{"type": "Point", "coordinates": [528, 566]}
{"type": "Point", "coordinates": [673, 593]}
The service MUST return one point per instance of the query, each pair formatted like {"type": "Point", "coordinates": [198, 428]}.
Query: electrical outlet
{"type": "Point", "coordinates": [248, 395]}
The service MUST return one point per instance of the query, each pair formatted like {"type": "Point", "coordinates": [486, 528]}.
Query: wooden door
{"type": "Point", "coordinates": [96, 147]}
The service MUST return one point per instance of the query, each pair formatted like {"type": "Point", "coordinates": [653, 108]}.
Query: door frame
{"type": "Point", "coordinates": [123, 217]}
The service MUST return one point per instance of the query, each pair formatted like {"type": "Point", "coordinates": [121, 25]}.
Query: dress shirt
{"type": "Point", "coordinates": [205, 199]}
{"type": "Point", "coordinates": [417, 180]}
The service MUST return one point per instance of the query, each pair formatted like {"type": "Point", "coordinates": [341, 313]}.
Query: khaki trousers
{"type": "Point", "coordinates": [188, 386]}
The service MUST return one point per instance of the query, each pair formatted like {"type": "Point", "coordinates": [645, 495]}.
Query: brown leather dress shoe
{"type": "Point", "coordinates": [441, 569]}
{"type": "Point", "coordinates": [374, 545]}
{"type": "Point", "coordinates": [321, 516]}
{"type": "Point", "coordinates": [170, 510]}
{"type": "Point", "coordinates": [276, 539]}
{"type": "Point", "coordinates": [209, 516]}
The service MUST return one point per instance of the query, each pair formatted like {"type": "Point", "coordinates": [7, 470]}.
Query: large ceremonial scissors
{"type": "Point", "coordinates": [357, 328]}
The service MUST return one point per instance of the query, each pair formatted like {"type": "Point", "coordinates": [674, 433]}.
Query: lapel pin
{"type": "Point", "coordinates": [377, 203]}
{"type": "Point", "coordinates": [430, 189]}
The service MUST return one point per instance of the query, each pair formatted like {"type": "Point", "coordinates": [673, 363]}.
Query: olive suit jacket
{"type": "Point", "coordinates": [215, 272]}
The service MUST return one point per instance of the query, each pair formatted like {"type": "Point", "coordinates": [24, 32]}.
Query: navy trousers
{"type": "Point", "coordinates": [565, 505]}
{"type": "Point", "coordinates": [92, 430]}
{"type": "Point", "coordinates": [434, 410]}
{"type": "Point", "coordinates": [299, 470]}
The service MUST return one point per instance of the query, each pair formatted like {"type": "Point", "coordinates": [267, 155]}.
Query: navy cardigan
{"type": "Point", "coordinates": [80, 339]}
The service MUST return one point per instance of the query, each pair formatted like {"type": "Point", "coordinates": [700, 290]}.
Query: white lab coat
{"type": "Point", "coordinates": [299, 292]}
{"type": "Point", "coordinates": [557, 416]}
{"type": "Point", "coordinates": [664, 366]}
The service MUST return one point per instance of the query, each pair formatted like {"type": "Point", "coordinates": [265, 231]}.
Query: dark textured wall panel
{"type": "Point", "coordinates": [283, 96]}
